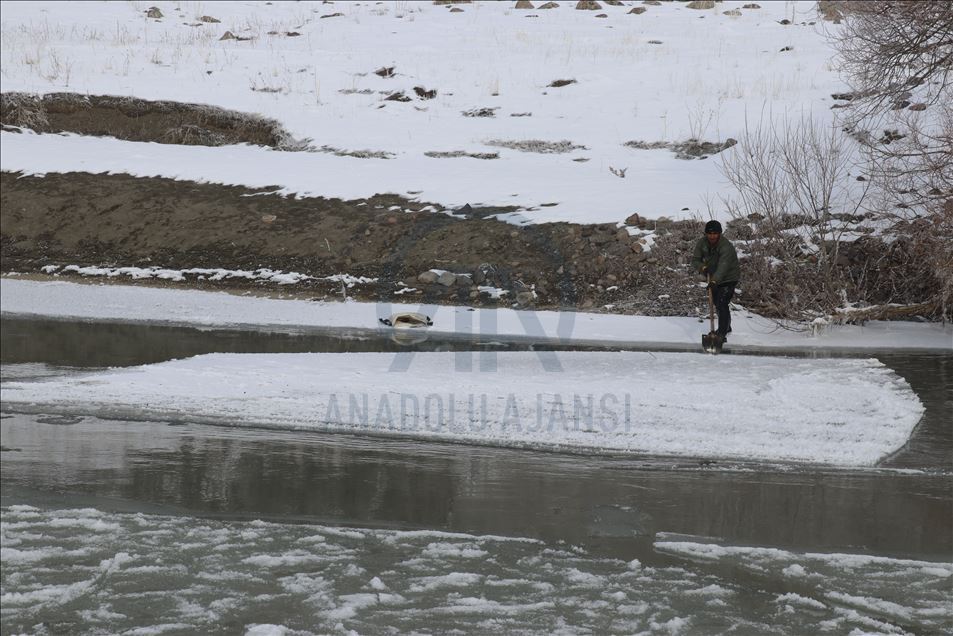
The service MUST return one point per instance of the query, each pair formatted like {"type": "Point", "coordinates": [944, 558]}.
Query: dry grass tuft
{"type": "Point", "coordinates": [536, 145]}
{"type": "Point", "coordinates": [23, 110]}
{"type": "Point", "coordinates": [136, 119]}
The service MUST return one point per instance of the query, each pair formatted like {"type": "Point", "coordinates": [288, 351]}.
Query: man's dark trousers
{"type": "Point", "coordinates": [722, 296]}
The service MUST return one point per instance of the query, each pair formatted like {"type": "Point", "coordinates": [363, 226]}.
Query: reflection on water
{"type": "Point", "coordinates": [931, 377]}
{"type": "Point", "coordinates": [77, 344]}
{"type": "Point", "coordinates": [613, 503]}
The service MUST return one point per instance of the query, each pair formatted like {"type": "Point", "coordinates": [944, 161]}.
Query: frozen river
{"type": "Point", "coordinates": [178, 527]}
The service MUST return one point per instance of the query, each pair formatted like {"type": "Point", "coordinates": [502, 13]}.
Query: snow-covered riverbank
{"type": "Point", "coordinates": [128, 303]}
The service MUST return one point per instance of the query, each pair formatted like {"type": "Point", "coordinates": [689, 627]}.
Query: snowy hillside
{"type": "Point", "coordinates": [656, 78]}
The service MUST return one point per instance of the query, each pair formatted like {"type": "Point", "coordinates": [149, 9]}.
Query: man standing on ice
{"type": "Point", "coordinates": [715, 256]}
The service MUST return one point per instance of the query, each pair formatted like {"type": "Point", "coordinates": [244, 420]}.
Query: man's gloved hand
{"type": "Point", "coordinates": [712, 285]}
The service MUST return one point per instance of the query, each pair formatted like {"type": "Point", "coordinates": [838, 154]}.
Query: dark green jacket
{"type": "Point", "coordinates": [721, 260]}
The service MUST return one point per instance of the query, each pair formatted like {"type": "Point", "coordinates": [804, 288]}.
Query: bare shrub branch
{"type": "Point", "coordinates": [793, 186]}
{"type": "Point", "coordinates": [897, 57]}
{"type": "Point", "coordinates": [886, 48]}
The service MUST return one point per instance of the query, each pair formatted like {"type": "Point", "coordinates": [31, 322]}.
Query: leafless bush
{"type": "Point", "coordinates": [792, 185]}
{"type": "Point", "coordinates": [888, 47]}
{"type": "Point", "coordinates": [914, 199]}
{"type": "Point", "coordinates": [897, 57]}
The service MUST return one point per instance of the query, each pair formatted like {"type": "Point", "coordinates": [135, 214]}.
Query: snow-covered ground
{"type": "Point", "coordinates": [148, 574]}
{"type": "Point", "coordinates": [67, 300]}
{"type": "Point", "coordinates": [667, 75]}
{"type": "Point", "coordinates": [840, 412]}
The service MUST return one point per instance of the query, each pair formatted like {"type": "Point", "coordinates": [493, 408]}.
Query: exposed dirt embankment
{"type": "Point", "coordinates": [119, 220]}
{"type": "Point", "coordinates": [134, 119]}
{"type": "Point", "coordinates": [123, 221]}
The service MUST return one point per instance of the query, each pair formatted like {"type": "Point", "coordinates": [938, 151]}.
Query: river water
{"type": "Point", "coordinates": [177, 527]}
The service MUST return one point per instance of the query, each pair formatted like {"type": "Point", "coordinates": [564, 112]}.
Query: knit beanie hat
{"type": "Point", "coordinates": [713, 226]}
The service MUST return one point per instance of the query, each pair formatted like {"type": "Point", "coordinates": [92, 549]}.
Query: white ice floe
{"type": "Point", "coordinates": [363, 580]}
{"type": "Point", "coordinates": [844, 412]}
{"type": "Point", "coordinates": [882, 593]}
{"type": "Point", "coordinates": [61, 299]}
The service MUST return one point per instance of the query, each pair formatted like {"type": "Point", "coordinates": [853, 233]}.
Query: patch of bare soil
{"type": "Point", "coordinates": [120, 220]}
{"type": "Point", "coordinates": [134, 119]}
{"type": "Point", "coordinates": [689, 149]}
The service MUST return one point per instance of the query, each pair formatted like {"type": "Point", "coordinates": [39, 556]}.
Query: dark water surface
{"type": "Point", "coordinates": [610, 505]}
